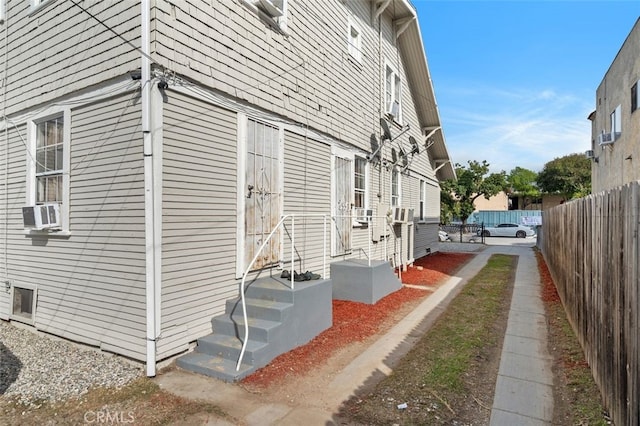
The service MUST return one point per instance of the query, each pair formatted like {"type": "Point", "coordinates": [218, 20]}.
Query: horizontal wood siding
{"type": "Point", "coordinates": [90, 284]}
{"type": "Point", "coordinates": [60, 49]}
{"type": "Point", "coordinates": [307, 190]}
{"type": "Point", "coordinates": [199, 218]}
{"type": "Point", "coordinates": [307, 75]}
{"type": "Point", "coordinates": [12, 199]}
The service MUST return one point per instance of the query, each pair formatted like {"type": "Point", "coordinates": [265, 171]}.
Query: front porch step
{"type": "Point", "coordinates": [274, 289]}
{"type": "Point", "coordinates": [214, 366]}
{"type": "Point", "coordinates": [229, 347]}
{"type": "Point", "coordinates": [279, 319]}
{"type": "Point", "coordinates": [271, 310]}
{"type": "Point", "coordinates": [259, 329]}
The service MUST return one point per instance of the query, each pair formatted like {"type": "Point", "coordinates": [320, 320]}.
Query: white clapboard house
{"type": "Point", "coordinates": [160, 159]}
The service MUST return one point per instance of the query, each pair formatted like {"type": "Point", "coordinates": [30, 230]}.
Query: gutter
{"type": "Point", "coordinates": [149, 212]}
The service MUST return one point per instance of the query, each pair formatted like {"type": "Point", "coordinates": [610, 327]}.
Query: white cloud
{"type": "Point", "coordinates": [523, 128]}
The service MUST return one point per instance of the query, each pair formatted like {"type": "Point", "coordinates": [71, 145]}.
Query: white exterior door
{"type": "Point", "coordinates": [342, 184]}
{"type": "Point", "coordinates": [262, 193]}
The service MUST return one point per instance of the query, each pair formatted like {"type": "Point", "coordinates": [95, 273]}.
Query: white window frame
{"type": "Point", "coordinates": [365, 190]}
{"type": "Point", "coordinates": [31, 181]}
{"type": "Point", "coordinates": [20, 318]}
{"type": "Point", "coordinates": [398, 202]}
{"type": "Point", "coordinates": [354, 43]}
{"type": "Point", "coordinates": [3, 11]}
{"type": "Point", "coordinates": [616, 122]}
{"type": "Point", "coordinates": [280, 20]}
{"type": "Point", "coordinates": [38, 5]}
{"type": "Point", "coordinates": [392, 91]}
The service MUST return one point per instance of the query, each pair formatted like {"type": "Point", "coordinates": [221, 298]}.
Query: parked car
{"type": "Point", "coordinates": [507, 230]}
{"type": "Point", "coordinates": [443, 236]}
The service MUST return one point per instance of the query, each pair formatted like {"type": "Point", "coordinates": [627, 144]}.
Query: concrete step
{"type": "Point", "coordinates": [276, 325]}
{"type": "Point", "coordinates": [275, 289]}
{"type": "Point", "coordinates": [214, 366]}
{"type": "Point", "coordinates": [259, 329]}
{"type": "Point", "coordinates": [229, 347]}
{"type": "Point", "coordinates": [259, 308]}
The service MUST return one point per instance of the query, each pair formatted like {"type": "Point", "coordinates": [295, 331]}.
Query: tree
{"type": "Point", "coordinates": [569, 175]}
{"type": "Point", "coordinates": [522, 182]}
{"type": "Point", "coordinates": [473, 182]}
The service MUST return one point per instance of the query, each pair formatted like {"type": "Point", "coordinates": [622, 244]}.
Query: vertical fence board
{"type": "Point", "coordinates": [592, 248]}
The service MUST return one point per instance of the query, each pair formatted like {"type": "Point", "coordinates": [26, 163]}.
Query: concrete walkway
{"type": "Point", "coordinates": [523, 389]}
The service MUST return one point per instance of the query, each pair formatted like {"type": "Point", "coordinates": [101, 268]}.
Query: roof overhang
{"type": "Point", "coordinates": [405, 19]}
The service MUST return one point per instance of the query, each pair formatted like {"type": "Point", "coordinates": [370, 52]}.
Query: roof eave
{"type": "Point", "coordinates": [417, 68]}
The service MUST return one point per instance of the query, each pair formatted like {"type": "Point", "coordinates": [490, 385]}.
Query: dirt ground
{"type": "Point", "coordinates": [469, 408]}
{"type": "Point", "coordinates": [299, 377]}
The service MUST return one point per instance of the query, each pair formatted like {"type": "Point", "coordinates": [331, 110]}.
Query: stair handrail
{"type": "Point", "coordinates": [324, 261]}
{"type": "Point", "coordinates": [244, 279]}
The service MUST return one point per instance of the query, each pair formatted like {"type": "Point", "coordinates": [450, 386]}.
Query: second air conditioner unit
{"type": "Point", "coordinates": [399, 215]}
{"type": "Point", "coordinates": [41, 216]}
{"type": "Point", "coordinates": [607, 138]}
{"type": "Point", "coordinates": [362, 215]}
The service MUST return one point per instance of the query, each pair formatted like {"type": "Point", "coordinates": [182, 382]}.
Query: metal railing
{"type": "Point", "coordinates": [293, 250]}
{"type": "Point", "coordinates": [273, 232]}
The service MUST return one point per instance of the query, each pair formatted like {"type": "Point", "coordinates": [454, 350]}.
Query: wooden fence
{"type": "Point", "coordinates": [591, 247]}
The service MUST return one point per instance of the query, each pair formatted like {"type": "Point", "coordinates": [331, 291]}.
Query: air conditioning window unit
{"type": "Point", "coordinates": [42, 216]}
{"type": "Point", "coordinates": [362, 215]}
{"type": "Point", "coordinates": [273, 8]}
{"type": "Point", "coordinates": [399, 215]}
{"type": "Point", "coordinates": [394, 110]}
{"type": "Point", "coordinates": [589, 153]}
{"type": "Point", "coordinates": [607, 138]}
{"type": "Point", "coordinates": [410, 215]}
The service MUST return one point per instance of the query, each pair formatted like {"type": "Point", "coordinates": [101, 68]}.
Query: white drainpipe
{"type": "Point", "coordinates": [149, 211]}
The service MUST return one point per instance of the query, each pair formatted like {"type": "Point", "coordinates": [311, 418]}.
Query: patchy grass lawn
{"type": "Point", "coordinates": [142, 403]}
{"type": "Point", "coordinates": [449, 376]}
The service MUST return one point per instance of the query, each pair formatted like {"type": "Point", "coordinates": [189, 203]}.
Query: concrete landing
{"type": "Point", "coordinates": [359, 280]}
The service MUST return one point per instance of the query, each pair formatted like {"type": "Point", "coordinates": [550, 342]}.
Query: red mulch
{"type": "Point", "coordinates": [549, 291]}
{"type": "Point", "coordinates": [354, 321]}
{"type": "Point", "coordinates": [551, 297]}
{"type": "Point", "coordinates": [435, 268]}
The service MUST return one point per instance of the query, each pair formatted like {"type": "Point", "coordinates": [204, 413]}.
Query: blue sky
{"type": "Point", "coordinates": [516, 80]}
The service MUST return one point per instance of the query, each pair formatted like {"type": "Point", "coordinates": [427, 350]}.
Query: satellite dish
{"type": "Point", "coordinates": [415, 149]}
{"type": "Point", "coordinates": [386, 133]}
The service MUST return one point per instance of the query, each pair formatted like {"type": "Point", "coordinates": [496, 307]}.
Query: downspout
{"type": "Point", "coordinates": [149, 211]}
{"type": "Point", "coordinates": [6, 146]}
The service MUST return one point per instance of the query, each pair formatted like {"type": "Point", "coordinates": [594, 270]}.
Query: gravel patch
{"type": "Point", "coordinates": [36, 368]}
